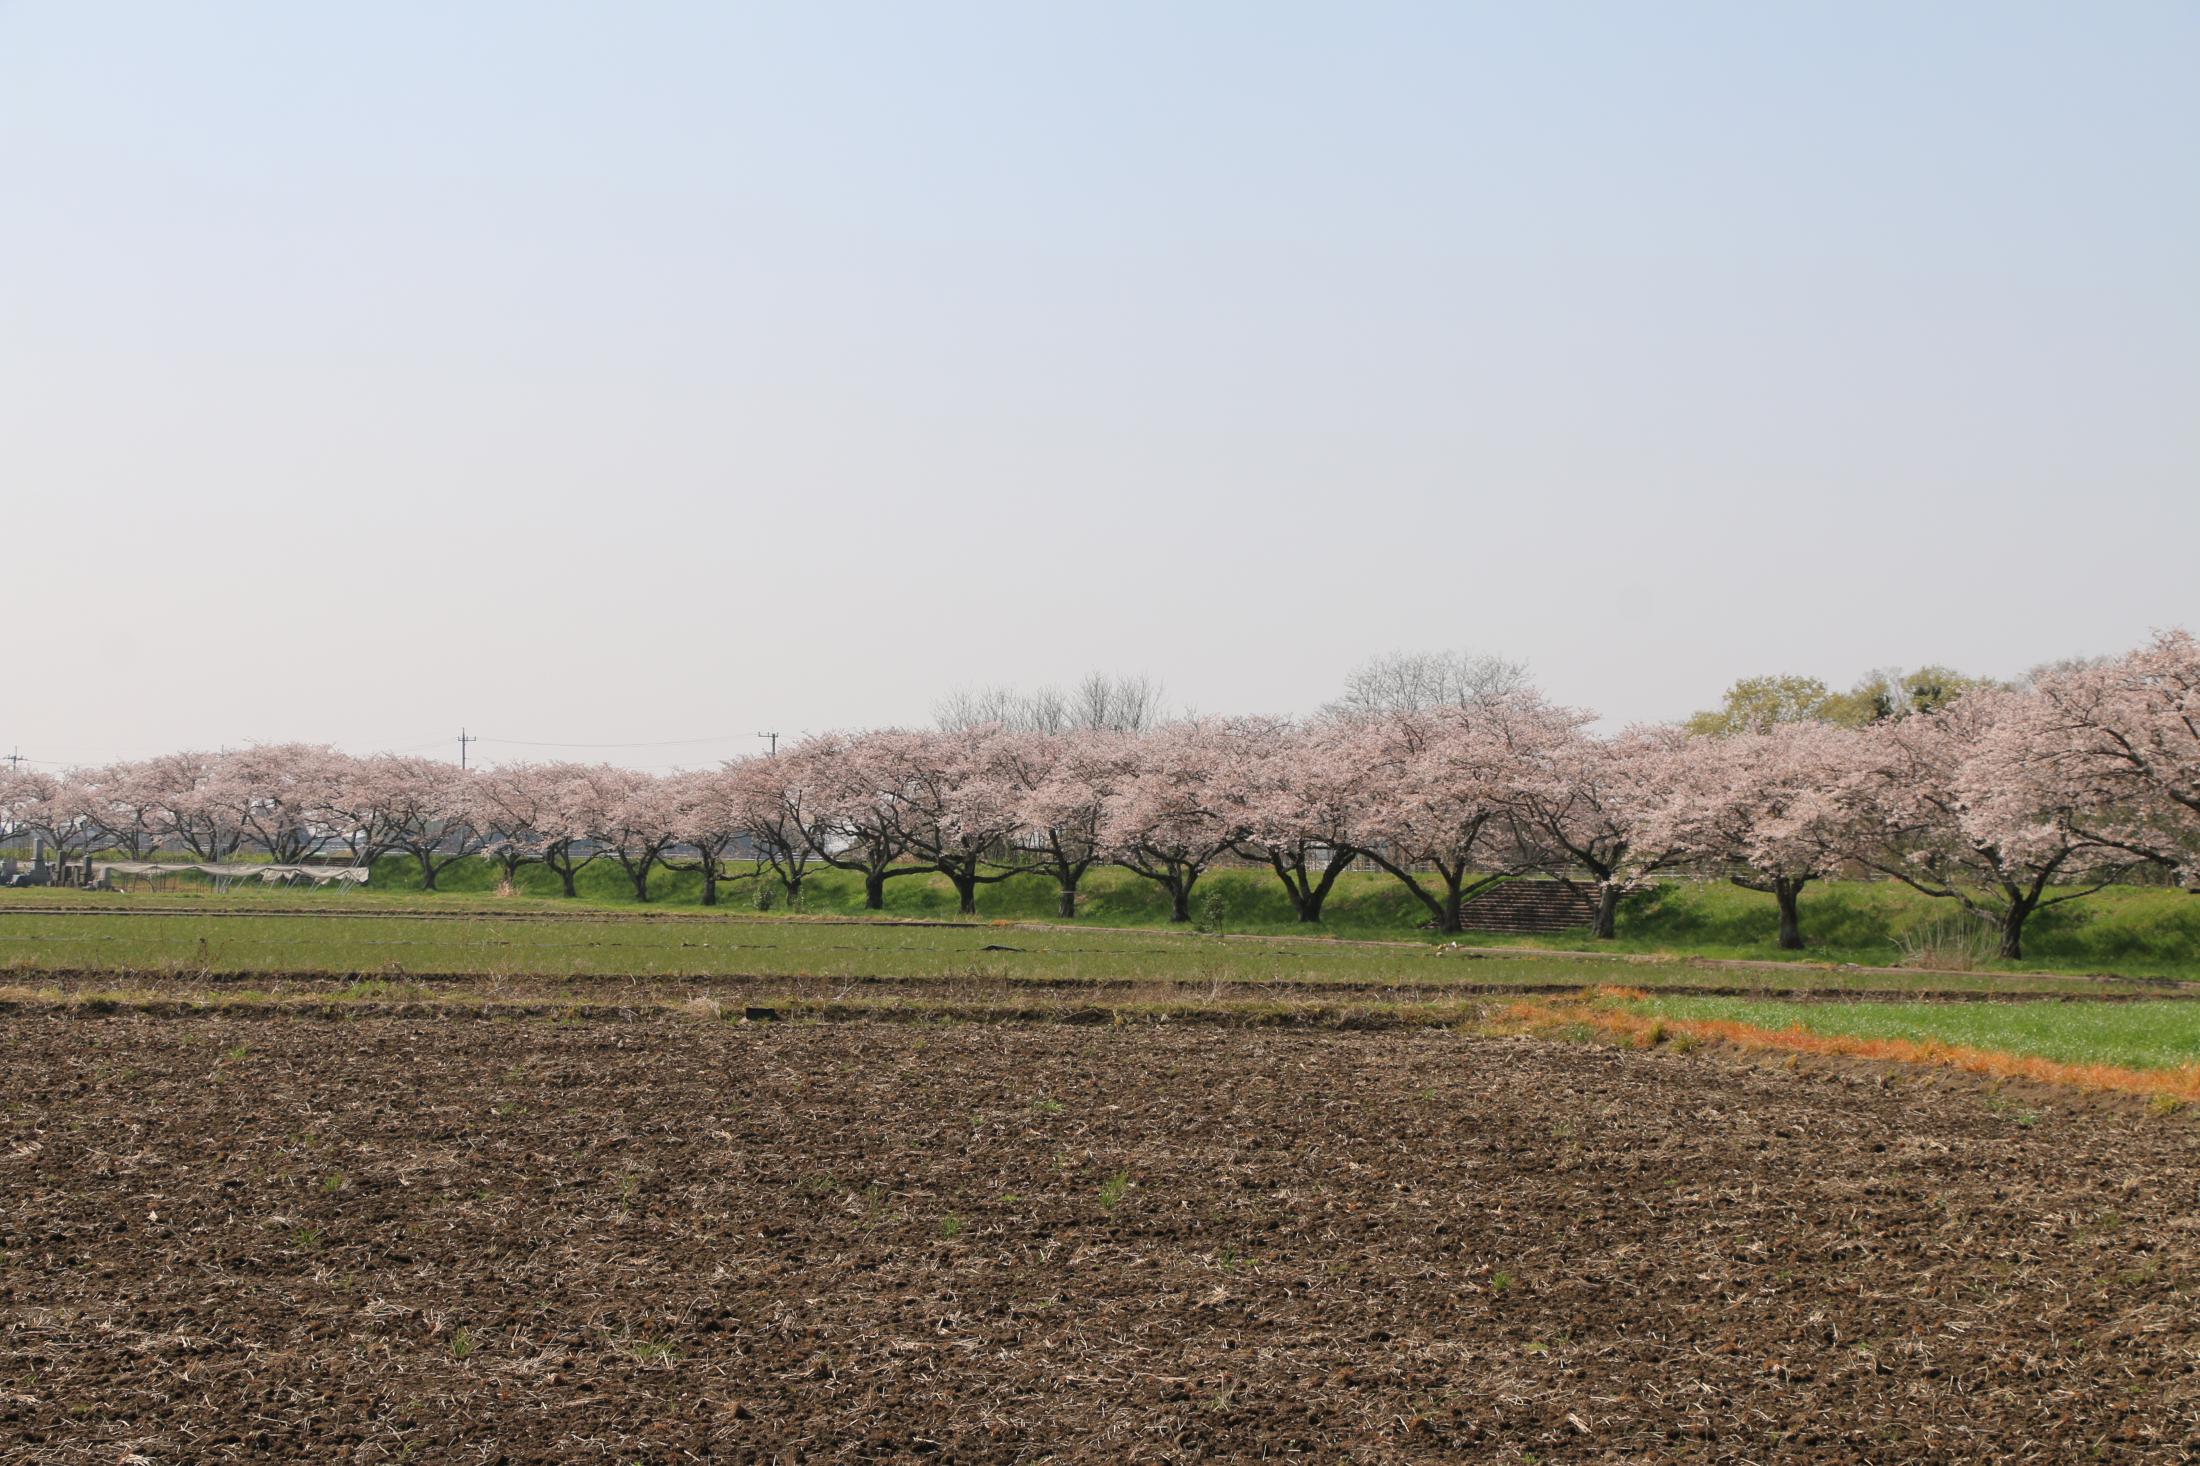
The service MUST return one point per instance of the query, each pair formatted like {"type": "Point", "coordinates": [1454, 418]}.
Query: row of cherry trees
{"type": "Point", "coordinates": [2004, 801]}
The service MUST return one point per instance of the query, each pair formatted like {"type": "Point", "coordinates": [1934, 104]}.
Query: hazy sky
{"type": "Point", "coordinates": [628, 372]}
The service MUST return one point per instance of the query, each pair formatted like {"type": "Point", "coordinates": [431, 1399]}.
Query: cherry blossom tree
{"type": "Point", "coordinates": [708, 818]}
{"type": "Point", "coordinates": [855, 826]}
{"type": "Point", "coordinates": [1295, 794]}
{"type": "Point", "coordinates": [2121, 737]}
{"type": "Point", "coordinates": [126, 805]}
{"type": "Point", "coordinates": [578, 810]}
{"type": "Point", "coordinates": [57, 806]}
{"type": "Point", "coordinates": [1063, 782]}
{"type": "Point", "coordinates": [1770, 806]}
{"type": "Point", "coordinates": [510, 803]}
{"type": "Point", "coordinates": [197, 802]}
{"type": "Point", "coordinates": [952, 800]}
{"type": "Point", "coordinates": [775, 807]}
{"type": "Point", "coordinates": [1433, 796]}
{"type": "Point", "coordinates": [359, 811]}
{"type": "Point", "coordinates": [288, 790]}
{"type": "Point", "coordinates": [1585, 802]}
{"type": "Point", "coordinates": [1169, 817]}
{"type": "Point", "coordinates": [635, 820]}
{"type": "Point", "coordinates": [423, 807]}
{"type": "Point", "coordinates": [1946, 810]}
{"type": "Point", "coordinates": [547, 814]}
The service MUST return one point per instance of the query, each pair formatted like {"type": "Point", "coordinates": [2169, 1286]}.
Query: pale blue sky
{"type": "Point", "coordinates": [645, 371]}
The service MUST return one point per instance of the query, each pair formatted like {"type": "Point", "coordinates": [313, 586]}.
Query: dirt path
{"type": "Point", "coordinates": [389, 1240]}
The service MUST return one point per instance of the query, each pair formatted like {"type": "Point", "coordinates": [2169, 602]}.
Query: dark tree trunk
{"type": "Point", "coordinates": [639, 875]}
{"type": "Point", "coordinates": [1067, 873]}
{"type": "Point", "coordinates": [1607, 919]}
{"type": "Point", "coordinates": [1177, 877]}
{"type": "Point", "coordinates": [1301, 885]}
{"type": "Point", "coordinates": [710, 881]}
{"type": "Point", "coordinates": [427, 869]}
{"type": "Point", "coordinates": [2012, 929]}
{"type": "Point", "coordinates": [874, 890]}
{"type": "Point", "coordinates": [565, 879]}
{"type": "Point", "coordinates": [1339, 862]}
{"type": "Point", "coordinates": [1306, 902]}
{"type": "Point", "coordinates": [966, 891]}
{"type": "Point", "coordinates": [1447, 916]}
{"type": "Point", "coordinates": [1444, 909]}
{"type": "Point", "coordinates": [1786, 891]}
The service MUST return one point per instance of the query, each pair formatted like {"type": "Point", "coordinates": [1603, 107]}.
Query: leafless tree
{"type": "Point", "coordinates": [973, 707]}
{"type": "Point", "coordinates": [1107, 704]}
{"type": "Point", "coordinates": [1414, 682]}
{"type": "Point", "coordinates": [1099, 702]}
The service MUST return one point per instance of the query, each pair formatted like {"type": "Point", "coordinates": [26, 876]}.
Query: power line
{"type": "Point", "coordinates": [401, 745]}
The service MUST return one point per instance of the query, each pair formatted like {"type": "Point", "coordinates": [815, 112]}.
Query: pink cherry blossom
{"type": "Point", "coordinates": [1769, 806]}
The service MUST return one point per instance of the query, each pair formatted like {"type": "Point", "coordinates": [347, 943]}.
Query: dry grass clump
{"type": "Point", "coordinates": [1957, 943]}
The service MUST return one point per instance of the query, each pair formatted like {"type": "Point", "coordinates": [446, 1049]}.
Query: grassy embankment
{"type": "Point", "coordinates": [2131, 930]}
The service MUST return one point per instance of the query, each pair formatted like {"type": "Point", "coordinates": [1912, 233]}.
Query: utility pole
{"type": "Point", "coordinates": [15, 760]}
{"type": "Point", "coordinates": [464, 738]}
{"type": "Point", "coordinates": [772, 740]}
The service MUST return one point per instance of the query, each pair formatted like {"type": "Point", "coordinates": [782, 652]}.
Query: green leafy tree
{"type": "Point", "coordinates": [1759, 704]}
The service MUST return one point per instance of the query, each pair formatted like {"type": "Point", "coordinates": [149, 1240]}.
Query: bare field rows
{"type": "Point", "coordinates": [512, 1187]}
{"type": "Point", "coordinates": [530, 1241]}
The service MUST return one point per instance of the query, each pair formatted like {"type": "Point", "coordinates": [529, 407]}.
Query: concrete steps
{"type": "Point", "coordinates": [1529, 907]}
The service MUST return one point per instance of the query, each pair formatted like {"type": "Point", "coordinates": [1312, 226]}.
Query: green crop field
{"type": "Point", "coordinates": [2160, 1035]}
{"type": "Point", "coordinates": [214, 937]}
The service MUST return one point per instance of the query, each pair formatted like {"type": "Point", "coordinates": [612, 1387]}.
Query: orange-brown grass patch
{"type": "Point", "coordinates": [1646, 1030]}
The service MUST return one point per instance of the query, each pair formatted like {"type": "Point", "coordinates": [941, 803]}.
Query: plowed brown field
{"type": "Point", "coordinates": [451, 1240]}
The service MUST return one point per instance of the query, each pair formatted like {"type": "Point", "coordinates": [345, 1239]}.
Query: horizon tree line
{"type": "Point", "coordinates": [1449, 773]}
